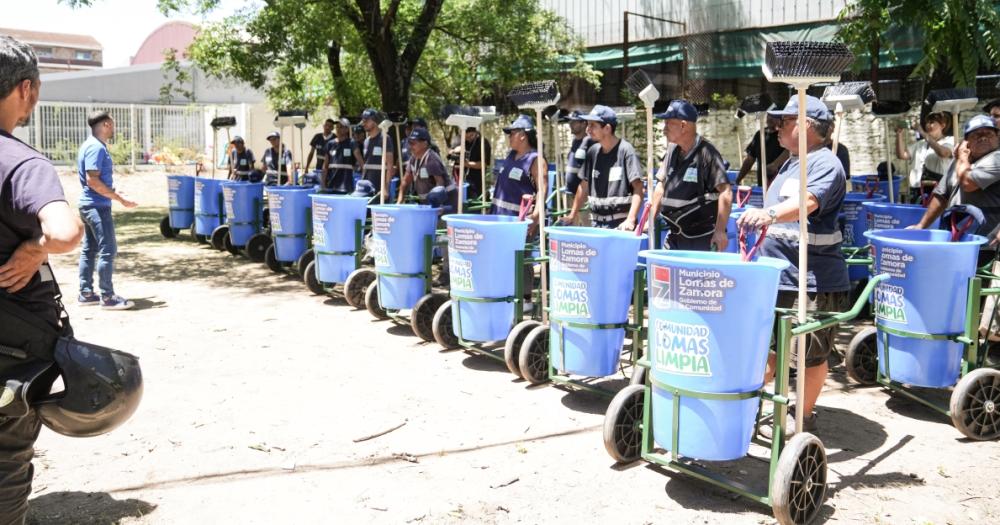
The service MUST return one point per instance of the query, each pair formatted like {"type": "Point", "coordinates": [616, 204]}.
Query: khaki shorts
{"type": "Point", "coordinates": [819, 344]}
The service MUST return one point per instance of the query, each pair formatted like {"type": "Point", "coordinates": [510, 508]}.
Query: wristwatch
{"type": "Point", "coordinates": [773, 215]}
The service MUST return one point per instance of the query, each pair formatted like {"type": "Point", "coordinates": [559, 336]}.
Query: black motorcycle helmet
{"type": "Point", "coordinates": [103, 388]}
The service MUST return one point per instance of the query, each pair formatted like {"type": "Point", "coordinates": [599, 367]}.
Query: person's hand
{"type": "Point", "coordinates": [995, 241]}
{"type": "Point", "coordinates": [568, 219]}
{"type": "Point", "coordinates": [962, 151]}
{"type": "Point", "coordinates": [627, 225]}
{"type": "Point", "coordinates": [913, 227]}
{"type": "Point", "coordinates": [754, 218]}
{"type": "Point", "coordinates": [532, 228]}
{"type": "Point", "coordinates": [127, 203]}
{"type": "Point", "coordinates": [720, 240]}
{"type": "Point", "coordinates": [22, 266]}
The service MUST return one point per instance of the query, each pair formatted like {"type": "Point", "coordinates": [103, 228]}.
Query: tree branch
{"type": "Point", "coordinates": [390, 15]}
{"type": "Point", "coordinates": [421, 32]}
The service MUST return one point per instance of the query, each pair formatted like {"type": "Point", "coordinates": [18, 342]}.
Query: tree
{"type": "Point", "coordinates": [960, 36]}
{"type": "Point", "coordinates": [177, 80]}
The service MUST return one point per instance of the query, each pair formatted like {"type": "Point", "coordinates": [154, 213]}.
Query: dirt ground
{"type": "Point", "coordinates": [256, 390]}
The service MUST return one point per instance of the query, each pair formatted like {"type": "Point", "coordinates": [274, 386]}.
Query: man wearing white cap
{"type": "Point", "coordinates": [826, 186]}
{"type": "Point", "coordinates": [693, 190]}
{"type": "Point", "coordinates": [338, 164]}
{"type": "Point", "coordinates": [611, 175]}
{"type": "Point", "coordinates": [371, 151]}
{"type": "Point", "coordinates": [273, 164]}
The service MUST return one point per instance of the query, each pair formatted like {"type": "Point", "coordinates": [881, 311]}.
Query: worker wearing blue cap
{"type": "Point", "coordinates": [611, 176]}
{"type": "Point", "coordinates": [425, 170]}
{"type": "Point", "coordinates": [577, 150]}
{"type": "Point", "coordinates": [371, 154]}
{"type": "Point", "coordinates": [240, 160]}
{"type": "Point", "coordinates": [693, 190]}
{"type": "Point", "coordinates": [972, 179]}
{"type": "Point", "coordinates": [519, 175]}
{"type": "Point", "coordinates": [275, 163]}
{"type": "Point", "coordinates": [339, 161]}
{"type": "Point", "coordinates": [828, 283]}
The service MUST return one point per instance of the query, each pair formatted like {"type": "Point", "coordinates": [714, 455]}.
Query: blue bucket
{"type": "Point", "coordinates": [889, 216]}
{"type": "Point", "coordinates": [481, 250]}
{"type": "Point", "coordinates": [756, 199]}
{"type": "Point", "coordinates": [243, 202]}
{"type": "Point", "coordinates": [290, 217]}
{"type": "Point", "coordinates": [926, 293]}
{"type": "Point", "coordinates": [398, 233]}
{"type": "Point", "coordinates": [334, 218]}
{"type": "Point", "coordinates": [710, 322]}
{"type": "Point", "coordinates": [855, 226]}
{"type": "Point", "coordinates": [591, 282]}
{"type": "Point", "coordinates": [732, 175]}
{"type": "Point", "coordinates": [733, 232]}
{"type": "Point", "coordinates": [207, 205]}
{"type": "Point", "coordinates": [867, 183]}
{"type": "Point", "coordinates": [180, 191]}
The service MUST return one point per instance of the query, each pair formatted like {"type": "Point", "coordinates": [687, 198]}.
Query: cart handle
{"type": "Point", "coordinates": [838, 318]}
{"type": "Point", "coordinates": [642, 219]}
{"type": "Point", "coordinates": [871, 184]}
{"type": "Point", "coordinates": [958, 228]}
{"type": "Point", "coordinates": [527, 202]}
{"type": "Point", "coordinates": [743, 194]}
{"type": "Point", "coordinates": [747, 253]}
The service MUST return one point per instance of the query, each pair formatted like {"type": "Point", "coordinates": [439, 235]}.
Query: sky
{"type": "Point", "coordinates": [119, 25]}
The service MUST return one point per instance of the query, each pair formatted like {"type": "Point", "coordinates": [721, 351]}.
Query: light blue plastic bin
{"type": "Point", "coordinates": [290, 217]}
{"type": "Point", "coordinates": [334, 218]}
{"type": "Point", "coordinates": [243, 202]}
{"type": "Point", "coordinates": [398, 233]}
{"type": "Point", "coordinates": [208, 210]}
{"type": "Point", "coordinates": [180, 193]}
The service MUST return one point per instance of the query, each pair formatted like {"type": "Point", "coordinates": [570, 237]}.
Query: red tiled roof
{"type": "Point", "coordinates": [58, 39]}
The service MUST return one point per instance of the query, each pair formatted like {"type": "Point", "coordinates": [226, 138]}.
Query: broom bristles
{"type": "Point", "coordinates": [535, 94]}
{"type": "Point", "coordinates": [807, 59]}
{"type": "Point", "coordinates": [756, 103]}
{"type": "Point", "coordinates": [890, 107]}
{"type": "Point", "coordinates": [863, 90]}
{"type": "Point", "coordinates": [223, 122]}
{"type": "Point", "coordinates": [638, 81]}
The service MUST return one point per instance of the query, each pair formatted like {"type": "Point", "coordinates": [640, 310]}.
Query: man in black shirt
{"type": "Point", "coordinates": [338, 166]}
{"type": "Point", "coordinates": [473, 160]}
{"type": "Point", "coordinates": [35, 221]}
{"type": "Point", "coordinates": [241, 160]}
{"type": "Point", "coordinates": [776, 155]}
{"type": "Point", "coordinates": [318, 145]}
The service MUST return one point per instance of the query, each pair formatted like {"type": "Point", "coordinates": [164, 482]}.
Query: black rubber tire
{"type": "Point", "coordinates": [512, 346]}
{"type": "Point", "coordinates": [533, 360]}
{"type": "Point", "coordinates": [218, 237]}
{"type": "Point", "coordinates": [257, 246]}
{"type": "Point", "coordinates": [271, 260]}
{"type": "Point", "coordinates": [372, 303]}
{"type": "Point", "coordinates": [975, 405]}
{"type": "Point", "coordinates": [623, 425]}
{"type": "Point", "coordinates": [798, 487]}
{"type": "Point", "coordinates": [356, 285]}
{"type": "Point", "coordinates": [639, 374]}
{"type": "Point", "coordinates": [228, 245]}
{"type": "Point", "coordinates": [444, 333]}
{"type": "Point", "coordinates": [861, 357]}
{"type": "Point", "coordinates": [312, 280]}
{"type": "Point", "coordinates": [307, 257]}
{"type": "Point", "coordinates": [165, 230]}
{"type": "Point", "coordinates": [422, 316]}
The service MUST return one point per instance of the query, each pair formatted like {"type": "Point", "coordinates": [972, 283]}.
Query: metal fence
{"type": "Point", "coordinates": [144, 134]}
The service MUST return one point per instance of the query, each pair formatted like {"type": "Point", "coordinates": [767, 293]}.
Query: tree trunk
{"type": "Point", "coordinates": [348, 102]}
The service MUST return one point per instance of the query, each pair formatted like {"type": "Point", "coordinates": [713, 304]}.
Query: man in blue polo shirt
{"type": "Point", "coordinates": [826, 185]}
{"type": "Point", "coordinates": [100, 246]}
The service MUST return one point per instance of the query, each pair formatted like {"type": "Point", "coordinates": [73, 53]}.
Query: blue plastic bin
{"type": "Point", "coordinates": [290, 218]}
{"type": "Point", "coordinates": [481, 252]}
{"type": "Point", "coordinates": [888, 216]}
{"type": "Point", "coordinates": [180, 193]}
{"type": "Point", "coordinates": [710, 324]}
{"type": "Point", "coordinates": [208, 210]}
{"type": "Point", "coordinates": [855, 226]}
{"type": "Point", "coordinates": [334, 218]}
{"type": "Point", "coordinates": [398, 233]}
{"type": "Point", "coordinates": [927, 293]}
{"type": "Point", "coordinates": [869, 183]}
{"type": "Point", "coordinates": [756, 197]}
{"type": "Point", "coordinates": [243, 201]}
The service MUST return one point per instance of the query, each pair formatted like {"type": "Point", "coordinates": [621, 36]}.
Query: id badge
{"type": "Point", "coordinates": [377, 151]}
{"type": "Point", "coordinates": [424, 174]}
{"type": "Point", "coordinates": [691, 175]}
{"type": "Point", "coordinates": [615, 174]}
{"type": "Point", "coordinates": [516, 173]}
{"type": "Point", "coordinates": [580, 154]}
{"type": "Point", "coordinates": [346, 153]}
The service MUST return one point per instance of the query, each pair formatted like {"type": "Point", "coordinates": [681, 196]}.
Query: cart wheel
{"type": "Point", "coordinates": [356, 285]}
{"type": "Point", "coordinates": [166, 230]}
{"type": "Point", "coordinates": [798, 487]}
{"type": "Point", "coordinates": [422, 318]}
{"type": "Point", "coordinates": [512, 347]}
{"type": "Point", "coordinates": [638, 375]}
{"type": "Point", "coordinates": [218, 237]}
{"type": "Point", "coordinates": [271, 260]}
{"type": "Point", "coordinates": [372, 304]}
{"type": "Point", "coordinates": [257, 246]}
{"type": "Point", "coordinates": [307, 257]}
{"type": "Point", "coordinates": [443, 332]}
{"type": "Point", "coordinates": [861, 358]}
{"type": "Point", "coordinates": [623, 425]}
{"type": "Point", "coordinates": [975, 404]}
{"type": "Point", "coordinates": [227, 243]}
{"type": "Point", "coordinates": [312, 280]}
{"type": "Point", "coordinates": [533, 360]}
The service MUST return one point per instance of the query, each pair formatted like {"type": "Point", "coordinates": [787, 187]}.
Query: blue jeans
{"type": "Point", "coordinates": [100, 246]}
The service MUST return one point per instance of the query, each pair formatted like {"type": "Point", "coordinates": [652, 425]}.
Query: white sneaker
{"type": "Point", "coordinates": [116, 302]}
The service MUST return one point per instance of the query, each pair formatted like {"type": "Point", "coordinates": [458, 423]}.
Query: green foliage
{"type": "Point", "coordinates": [177, 81]}
{"type": "Point", "coordinates": [121, 151]}
{"type": "Point", "coordinates": [724, 101]}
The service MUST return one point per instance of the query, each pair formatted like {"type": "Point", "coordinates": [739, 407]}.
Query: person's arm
{"type": "Point", "coordinates": [404, 184]}
{"type": "Point", "coordinates": [95, 183]}
{"type": "Point", "coordinates": [901, 151]}
{"type": "Point", "coordinates": [309, 159]}
{"type": "Point", "coordinates": [934, 210]}
{"type": "Point", "coordinates": [941, 150]}
{"type": "Point", "coordinates": [748, 163]}
{"type": "Point", "coordinates": [582, 190]}
{"type": "Point", "coordinates": [963, 168]}
{"type": "Point", "coordinates": [787, 211]}
{"type": "Point", "coordinates": [633, 211]}
{"type": "Point", "coordinates": [720, 239]}
{"type": "Point", "coordinates": [61, 233]}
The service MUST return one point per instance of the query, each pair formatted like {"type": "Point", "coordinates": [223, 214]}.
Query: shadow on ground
{"type": "Point", "coordinates": [84, 508]}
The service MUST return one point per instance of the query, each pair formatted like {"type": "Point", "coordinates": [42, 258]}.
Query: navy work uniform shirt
{"type": "Point", "coordinates": [610, 176]}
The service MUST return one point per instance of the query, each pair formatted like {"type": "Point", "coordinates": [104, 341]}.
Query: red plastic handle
{"type": "Point", "coordinates": [743, 196]}
{"type": "Point", "coordinates": [526, 205]}
{"type": "Point", "coordinates": [642, 219]}
{"type": "Point", "coordinates": [958, 228]}
{"type": "Point", "coordinates": [747, 253]}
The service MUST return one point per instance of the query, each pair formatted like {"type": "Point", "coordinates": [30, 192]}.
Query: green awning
{"type": "Point", "coordinates": [740, 53]}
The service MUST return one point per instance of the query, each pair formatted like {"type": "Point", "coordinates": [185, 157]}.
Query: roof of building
{"type": "Point", "coordinates": [41, 38]}
{"type": "Point", "coordinates": [175, 34]}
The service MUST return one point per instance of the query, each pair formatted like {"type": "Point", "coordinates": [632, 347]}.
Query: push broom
{"type": "Point", "coordinates": [285, 119]}
{"type": "Point", "coordinates": [642, 87]}
{"type": "Point", "coordinates": [758, 105]}
{"type": "Point", "coordinates": [553, 114]}
{"type": "Point", "coordinates": [398, 119]}
{"type": "Point", "coordinates": [488, 114]}
{"type": "Point", "coordinates": [217, 124]}
{"type": "Point", "coordinates": [954, 101]}
{"type": "Point", "coordinates": [802, 64]}
{"type": "Point", "coordinates": [463, 120]}
{"type": "Point", "coordinates": [538, 96]}
{"type": "Point", "coordinates": [843, 97]}
{"type": "Point", "coordinates": [887, 110]}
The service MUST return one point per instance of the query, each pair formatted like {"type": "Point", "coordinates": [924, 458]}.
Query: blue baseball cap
{"type": "Point", "coordinates": [437, 197]}
{"type": "Point", "coordinates": [273, 135]}
{"type": "Point", "coordinates": [419, 134]}
{"type": "Point", "coordinates": [237, 140]}
{"type": "Point", "coordinates": [815, 109]}
{"type": "Point", "coordinates": [363, 188]}
{"type": "Point", "coordinates": [680, 109]}
{"type": "Point", "coordinates": [979, 122]}
{"type": "Point", "coordinates": [370, 114]}
{"type": "Point", "coordinates": [522, 122]}
{"type": "Point", "coordinates": [602, 114]}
